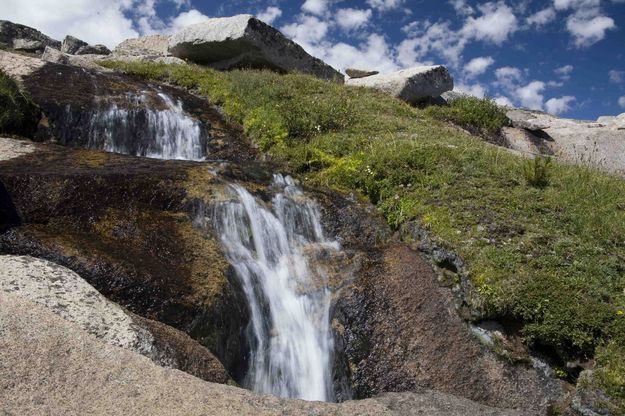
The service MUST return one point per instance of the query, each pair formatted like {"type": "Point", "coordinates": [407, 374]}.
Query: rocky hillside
{"type": "Point", "coordinates": [471, 278]}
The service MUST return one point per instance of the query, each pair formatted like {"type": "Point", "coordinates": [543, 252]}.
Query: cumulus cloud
{"type": "Point", "coordinates": [307, 31]}
{"type": "Point", "coordinates": [559, 105]}
{"type": "Point", "coordinates": [462, 8]}
{"type": "Point", "coordinates": [190, 17]}
{"type": "Point", "coordinates": [495, 24]}
{"type": "Point", "coordinates": [476, 90]}
{"type": "Point", "coordinates": [504, 101]}
{"type": "Point", "coordinates": [317, 7]}
{"type": "Point", "coordinates": [352, 18]}
{"type": "Point", "coordinates": [270, 14]}
{"type": "Point", "coordinates": [564, 70]}
{"type": "Point", "coordinates": [385, 5]}
{"type": "Point", "coordinates": [616, 76]}
{"type": "Point", "coordinates": [588, 31]}
{"type": "Point", "coordinates": [478, 66]}
{"type": "Point", "coordinates": [375, 53]}
{"type": "Point", "coordinates": [507, 77]}
{"type": "Point", "coordinates": [542, 17]}
{"type": "Point", "coordinates": [621, 101]}
{"type": "Point", "coordinates": [530, 95]}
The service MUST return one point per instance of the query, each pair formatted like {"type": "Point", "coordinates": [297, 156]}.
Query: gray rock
{"type": "Point", "coordinates": [155, 45]}
{"type": "Point", "coordinates": [93, 50]}
{"type": "Point", "coordinates": [52, 366]}
{"type": "Point", "coordinates": [245, 42]}
{"type": "Point", "coordinates": [411, 85]}
{"type": "Point", "coordinates": [25, 38]}
{"type": "Point", "coordinates": [12, 148]}
{"type": "Point", "coordinates": [19, 66]}
{"type": "Point", "coordinates": [589, 143]}
{"type": "Point", "coordinates": [69, 296]}
{"type": "Point", "coordinates": [359, 73]}
{"type": "Point", "coordinates": [27, 45]}
{"type": "Point", "coordinates": [71, 45]}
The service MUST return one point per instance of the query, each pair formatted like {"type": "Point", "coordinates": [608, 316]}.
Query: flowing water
{"type": "Point", "coordinates": [272, 249]}
{"type": "Point", "coordinates": [138, 129]}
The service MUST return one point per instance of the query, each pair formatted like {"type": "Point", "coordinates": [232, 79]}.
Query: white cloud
{"type": "Point", "coordinates": [478, 66]}
{"type": "Point", "coordinates": [352, 18]}
{"type": "Point", "coordinates": [621, 101]}
{"type": "Point", "coordinates": [374, 54]}
{"type": "Point", "coordinates": [530, 95]}
{"type": "Point", "coordinates": [384, 5]}
{"type": "Point", "coordinates": [185, 19]}
{"type": "Point", "coordinates": [616, 76]}
{"type": "Point", "coordinates": [476, 90]}
{"type": "Point", "coordinates": [587, 31]}
{"type": "Point", "coordinates": [564, 70]}
{"type": "Point", "coordinates": [495, 24]}
{"type": "Point", "coordinates": [462, 8]}
{"type": "Point", "coordinates": [508, 77]}
{"type": "Point", "coordinates": [504, 101]}
{"type": "Point", "coordinates": [559, 105]}
{"type": "Point", "coordinates": [542, 17]}
{"type": "Point", "coordinates": [270, 14]}
{"type": "Point", "coordinates": [317, 7]}
{"type": "Point", "coordinates": [307, 31]}
{"type": "Point", "coordinates": [94, 22]}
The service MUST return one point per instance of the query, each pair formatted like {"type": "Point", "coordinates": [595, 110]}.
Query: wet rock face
{"type": "Point", "coordinates": [121, 114]}
{"type": "Point", "coordinates": [124, 224]}
{"type": "Point", "coordinates": [401, 332]}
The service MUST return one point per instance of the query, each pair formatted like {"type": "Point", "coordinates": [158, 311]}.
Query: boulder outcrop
{"type": "Point", "coordinates": [359, 73]}
{"type": "Point", "coordinates": [70, 297]}
{"type": "Point", "coordinates": [154, 45]}
{"type": "Point", "coordinates": [24, 38]}
{"type": "Point", "coordinates": [71, 44]}
{"type": "Point", "coordinates": [74, 373]}
{"type": "Point", "coordinates": [245, 42]}
{"type": "Point", "coordinates": [600, 144]}
{"type": "Point", "coordinates": [411, 85]}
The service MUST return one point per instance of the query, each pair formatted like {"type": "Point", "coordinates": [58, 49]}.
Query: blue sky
{"type": "Point", "coordinates": [566, 57]}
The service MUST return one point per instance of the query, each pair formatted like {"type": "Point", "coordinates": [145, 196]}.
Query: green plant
{"type": "Point", "coordinates": [18, 113]}
{"type": "Point", "coordinates": [475, 114]}
{"type": "Point", "coordinates": [537, 171]}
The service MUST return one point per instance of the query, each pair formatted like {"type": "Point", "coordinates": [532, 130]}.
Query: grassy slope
{"type": "Point", "coordinates": [551, 257]}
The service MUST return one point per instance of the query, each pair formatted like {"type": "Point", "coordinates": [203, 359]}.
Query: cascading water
{"type": "Point", "coordinates": [139, 130]}
{"type": "Point", "coordinates": [271, 251]}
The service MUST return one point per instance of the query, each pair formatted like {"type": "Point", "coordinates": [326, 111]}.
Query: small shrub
{"type": "Point", "coordinates": [266, 128]}
{"type": "Point", "coordinates": [472, 113]}
{"type": "Point", "coordinates": [18, 113]}
{"type": "Point", "coordinates": [537, 171]}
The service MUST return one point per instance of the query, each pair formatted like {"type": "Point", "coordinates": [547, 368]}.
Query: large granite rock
{"type": "Point", "coordinates": [245, 42]}
{"type": "Point", "coordinates": [71, 44]}
{"type": "Point", "coordinates": [154, 45]}
{"type": "Point", "coordinates": [25, 38]}
{"type": "Point", "coordinates": [600, 144]}
{"type": "Point", "coordinates": [359, 73]}
{"type": "Point", "coordinates": [52, 366]}
{"type": "Point", "coordinates": [411, 85]}
{"type": "Point", "coordinates": [73, 299]}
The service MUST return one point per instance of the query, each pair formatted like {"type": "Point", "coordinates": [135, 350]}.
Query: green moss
{"type": "Point", "coordinates": [551, 258]}
{"type": "Point", "coordinates": [18, 113]}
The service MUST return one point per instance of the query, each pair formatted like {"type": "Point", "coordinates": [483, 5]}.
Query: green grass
{"type": "Point", "coordinates": [475, 114]}
{"type": "Point", "coordinates": [546, 249]}
{"type": "Point", "coordinates": [18, 114]}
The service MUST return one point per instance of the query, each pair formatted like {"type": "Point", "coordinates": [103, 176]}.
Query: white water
{"type": "Point", "coordinates": [141, 131]}
{"type": "Point", "coordinates": [289, 299]}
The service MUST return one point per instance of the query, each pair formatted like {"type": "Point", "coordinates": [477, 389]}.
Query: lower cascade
{"type": "Point", "coordinates": [271, 249]}
{"type": "Point", "coordinates": [168, 133]}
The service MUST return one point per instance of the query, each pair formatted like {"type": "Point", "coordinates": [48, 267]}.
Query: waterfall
{"type": "Point", "coordinates": [140, 130]}
{"type": "Point", "coordinates": [272, 250]}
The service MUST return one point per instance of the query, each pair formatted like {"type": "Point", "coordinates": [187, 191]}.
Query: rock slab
{"type": "Point", "coordinates": [359, 73]}
{"type": "Point", "coordinates": [600, 144]}
{"type": "Point", "coordinates": [74, 373]}
{"type": "Point", "coordinates": [245, 42]}
{"type": "Point", "coordinates": [21, 37]}
{"type": "Point", "coordinates": [411, 85]}
{"type": "Point", "coordinates": [67, 295]}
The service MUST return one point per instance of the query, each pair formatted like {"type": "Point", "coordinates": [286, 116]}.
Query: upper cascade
{"type": "Point", "coordinates": [167, 133]}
